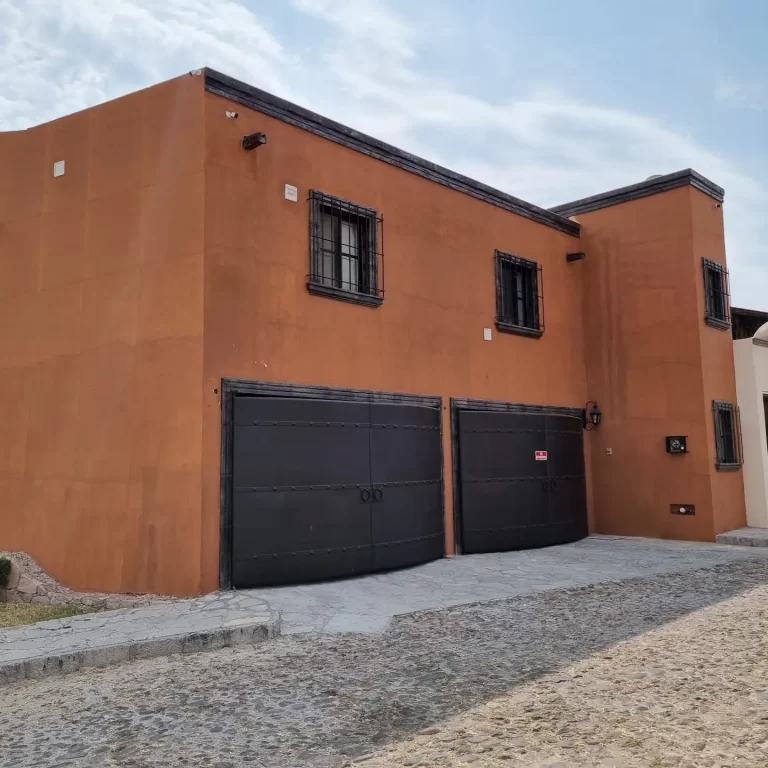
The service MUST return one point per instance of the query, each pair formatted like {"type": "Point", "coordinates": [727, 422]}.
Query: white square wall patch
{"type": "Point", "coordinates": [59, 168]}
{"type": "Point", "coordinates": [291, 193]}
{"type": "Point", "coordinates": [487, 334]}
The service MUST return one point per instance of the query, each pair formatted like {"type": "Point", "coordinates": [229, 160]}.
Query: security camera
{"type": "Point", "coordinates": [232, 115]}
{"type": "Point", "coordinates": [718, 205]}
{"type": "Point", "coordinates": [254, 140]}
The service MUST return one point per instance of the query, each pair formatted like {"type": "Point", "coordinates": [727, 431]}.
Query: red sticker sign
{"type": "Point", "coordinates": [541, 455]}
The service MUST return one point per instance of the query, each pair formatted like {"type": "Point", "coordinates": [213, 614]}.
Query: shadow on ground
{"type": "Point", "coordinates": [323, 700]}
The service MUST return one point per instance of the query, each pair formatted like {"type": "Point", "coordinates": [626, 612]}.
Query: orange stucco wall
{"type": "Point", "coordinates": [168, 258]}
{"type": "Point", "coordinates": [101, 347]}
{"type": "Point", "coordinates": [426, 338]}
{"type": "Point", "coordinates": [656, 367]}
{"type": "Point", "coordinates": [718, 371]}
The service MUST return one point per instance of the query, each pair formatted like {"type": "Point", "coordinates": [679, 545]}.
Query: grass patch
{"type": "Point", "coordinates": [16, 614]}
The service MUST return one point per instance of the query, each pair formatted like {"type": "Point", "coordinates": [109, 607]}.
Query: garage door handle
{"type": "Point", "coordinates": [378, 494]}
{"type": "Point", "coordinates": [365, 495]}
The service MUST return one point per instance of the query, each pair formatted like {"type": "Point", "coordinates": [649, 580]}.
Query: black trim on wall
{"type": "Point", "coordinates": [721, 325]}
{"type": "Point", "coordinates": [261, 101]}
{"type": "Point", "coordinates": [643, 189]}
{"type": "Point", "coordinates": [232, 387]}
{"type": "Point", "coordinates": [520, 330]}
{"type": "Point", "coordinates": [462, 404]}
{"type": "Point", "coordinates": [353, 297]}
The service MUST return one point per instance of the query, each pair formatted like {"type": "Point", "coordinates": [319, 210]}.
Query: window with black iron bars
{"type": "Point", "coordinates": [345, 257]}
{"type": "Point", "coordinates": [519, 298]}
{"type": "Point", "coordinates": [718, 299]}
{"type": "Point", "coordinates": [727, 435]}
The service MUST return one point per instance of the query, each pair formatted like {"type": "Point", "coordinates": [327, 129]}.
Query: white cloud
{"type": "Point", "coordinates": [60, 56]}
{"type": "Point", "coordinates": [547, 148]}
{"type": "Point", "coordinates": [741, 93]}
{"type": "Point", "coordinates": [364, 69]}
{"type": "Point", "coordinates": [365, 24]}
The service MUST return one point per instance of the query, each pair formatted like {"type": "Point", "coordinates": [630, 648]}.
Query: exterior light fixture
{"type": "Point", "coordinates": [677, 443]}
{"type": "Point", "coordinates": [575, 256]}
{"type": "Point", "coordinates": [591, 416]}
{"type": "Point", "coordinates": [254, 140]}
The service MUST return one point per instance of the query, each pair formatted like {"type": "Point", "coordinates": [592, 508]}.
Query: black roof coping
{"type": "Point", "coordinates": [652, 186]}
{"type": "Point", "coordinates": [750, 312]}
{"type": "Point", "coordinates": [261, 101]}
{"type": "Point", "coordinates": [745, 323]}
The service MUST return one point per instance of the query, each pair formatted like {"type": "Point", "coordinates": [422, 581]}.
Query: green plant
{"type": "Point", "coordinates": [17, 614]}
{"type": "Point", "coordinates": [5, 571]}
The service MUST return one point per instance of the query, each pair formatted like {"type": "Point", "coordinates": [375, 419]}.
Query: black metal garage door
{"type": "Point", "coordinates": [324, 488]}
{"type": "Point", "coordinates": [511, 500]}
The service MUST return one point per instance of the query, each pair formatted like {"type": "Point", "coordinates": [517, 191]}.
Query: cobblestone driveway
{"type": "Point", "coordinates": [670, 670]}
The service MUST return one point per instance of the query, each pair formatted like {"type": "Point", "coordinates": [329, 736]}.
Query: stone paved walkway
{"type": "Point", "coordinates": [368, 604]}
{"type": "Point", "coordinates": [668, 670]}
{"type": "Point", "coordinates": [96, 639]}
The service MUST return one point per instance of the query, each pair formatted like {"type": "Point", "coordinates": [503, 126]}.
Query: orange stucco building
{"type": "Point", "coordinates": [154, 269]}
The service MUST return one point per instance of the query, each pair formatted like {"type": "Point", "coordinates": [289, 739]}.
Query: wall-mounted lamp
{"type": "Point", "coordinates": [591, 416]}
{"type": "Point", "coordinates": [575, 256]}
{"type": "Point", "coordinates": [254, 140]}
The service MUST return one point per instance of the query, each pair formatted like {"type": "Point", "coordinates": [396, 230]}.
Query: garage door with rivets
{"type": "Point", "coordinates": [323, 489]}
{"type": "Point", "coordinates": [522, 480]}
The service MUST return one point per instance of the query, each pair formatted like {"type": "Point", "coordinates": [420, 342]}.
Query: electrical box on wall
{"type": "Point", "coordinates": [682, 509]}
{"type": "Point", "coordinates": [677, 444]}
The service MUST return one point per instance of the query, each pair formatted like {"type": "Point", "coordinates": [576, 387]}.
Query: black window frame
{"type": "Point", "coordinates": [728, 447]}
{"type": "Point", "coordinates": [765, 410]}
{"type": "Point", "coordinates": [519, 312]}
{"type": "Point", "coordinates": [717, 295]}
{"type": "Point", "coordinates": [367, 224]}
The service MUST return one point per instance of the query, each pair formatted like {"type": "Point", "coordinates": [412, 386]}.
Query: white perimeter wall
{"type": "Point", "coordinates": [751, 384]}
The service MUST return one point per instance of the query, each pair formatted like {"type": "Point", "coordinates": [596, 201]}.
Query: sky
{"type": "Point", "coordinates": [549, 101]}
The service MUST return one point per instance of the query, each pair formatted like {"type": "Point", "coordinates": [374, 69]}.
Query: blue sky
{"type": "Point", "coordinates": [548, 100]}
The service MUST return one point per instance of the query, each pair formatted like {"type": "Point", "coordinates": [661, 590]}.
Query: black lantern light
{"type": "Point", "coordinates": [591, 416]}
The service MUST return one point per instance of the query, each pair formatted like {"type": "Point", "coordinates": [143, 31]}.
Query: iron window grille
{"type": "Point", "coordinates": [727, 435]}
{"type": "Point", "coordinates": [346, 259]}
{"type": "Point", "coordinates": [718, 298]}
{"type": "Point", "coordinates": [519, 295]}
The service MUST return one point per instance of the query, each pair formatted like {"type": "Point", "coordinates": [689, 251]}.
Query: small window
{"type": "Point", "coordinates": [718, 300]}
{"type": "Point", "coordinates": [765, 410]}
{"type": "Point", "coordinates": [519, 304]}
{"type": "Point", "coordinates": [345, 261]}
{"type": "Point", "coordinates": [727, 435]}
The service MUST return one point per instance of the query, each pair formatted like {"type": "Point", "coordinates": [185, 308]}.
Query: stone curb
{"type": "Point", "coordinates": [188, 642]}
{"type": "Point", "coordinates": [744, 538]}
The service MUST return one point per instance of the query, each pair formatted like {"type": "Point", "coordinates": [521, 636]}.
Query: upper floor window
{"type": "Point", "coordinates": [519, 303]}
{"type": "Point", "coordinates": [345, 260]}
{"type": "Point", "coordinates": [727, 437]}
{"type": "Point", "coordinates": [718, 299]}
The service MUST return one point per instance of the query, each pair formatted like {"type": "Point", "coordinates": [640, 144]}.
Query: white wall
{"type": "Point", "coordinates": [751, 383]}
